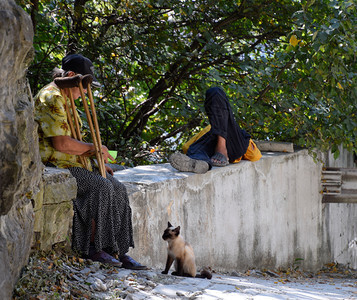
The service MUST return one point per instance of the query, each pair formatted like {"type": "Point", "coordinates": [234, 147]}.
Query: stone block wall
{"type": "Point", "coordinates": [54, 208]}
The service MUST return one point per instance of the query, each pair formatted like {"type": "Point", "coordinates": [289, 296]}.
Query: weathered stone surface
{"type": "Point", "coordinates": [19, 155]}
{"type": "Point", "coordinates": [15, 240]}
{"type": "Point", "coordinates": [53, 207]}
{"type": "Point", "coordinates": [20, 167]}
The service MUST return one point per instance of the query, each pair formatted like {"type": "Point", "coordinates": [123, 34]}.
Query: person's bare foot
{"type": "Point", "coordinates": [219, 160]}
{"type": "Point", "coordinates": [220, 148]}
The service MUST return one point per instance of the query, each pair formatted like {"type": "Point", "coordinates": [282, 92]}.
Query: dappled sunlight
{"type": "Point", "coordinates": [150, 174]}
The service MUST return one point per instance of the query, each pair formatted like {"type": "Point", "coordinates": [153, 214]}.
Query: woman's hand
{"type": "Point", "coordinates": [106, 154]}
{"type": "Point", "coordinates": [109, 170]}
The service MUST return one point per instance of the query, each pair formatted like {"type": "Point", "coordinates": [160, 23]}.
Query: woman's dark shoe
{"type": "Point", "coordinates": [130, 263]}
{"type": "Point", "coordinates": [105, 258]}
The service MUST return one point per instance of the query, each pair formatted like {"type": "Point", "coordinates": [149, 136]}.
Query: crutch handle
{"type": "Point", "coordinates": [68, 82]}
{"type": "Point", "coordinates": [86, 80]}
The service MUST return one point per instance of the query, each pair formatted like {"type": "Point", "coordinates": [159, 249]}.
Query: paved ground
{"type": "Point", "coordinates": [59, 276]}
{"type": "Point", "coordinates": [153, 285]}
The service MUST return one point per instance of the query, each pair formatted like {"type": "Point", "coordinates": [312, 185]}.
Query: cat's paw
{"type": "Point", "coordinates": [164, 272]}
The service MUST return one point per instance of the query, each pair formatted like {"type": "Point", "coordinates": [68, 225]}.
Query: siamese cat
{"type": "Point", "coordinates": [182, 253]}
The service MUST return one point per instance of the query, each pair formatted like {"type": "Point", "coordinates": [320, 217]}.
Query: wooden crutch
{"type": "Point", "coordinates": [94, 129]}
{"type": "Point", "coordinates": [76, 81]}
{"type": "Point", "coordinates": [65, 85]}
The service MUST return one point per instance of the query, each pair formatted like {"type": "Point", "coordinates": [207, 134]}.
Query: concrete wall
{"type": "Point", "coordinates": [341, 218]}
{"type": "Point", "coordinates": [341, 230]}
{"type": "Point", "coordinates": [344, 160]}
{"type": "Point", "coordinates": [265, 214]}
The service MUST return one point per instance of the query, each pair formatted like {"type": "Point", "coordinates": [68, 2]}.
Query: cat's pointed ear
{"type": "Point", "coordinates": [177, 230]}
{"type": "Point", "coordinates": [169, 225]}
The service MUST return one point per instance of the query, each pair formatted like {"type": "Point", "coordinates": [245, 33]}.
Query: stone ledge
{"type": "Point", "coordinates": [53, 208]}
{"type": "Point", "coordinates": [142, 177]}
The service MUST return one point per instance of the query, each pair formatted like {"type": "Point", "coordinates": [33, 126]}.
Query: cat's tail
{"type": "Point", "coordinates": [205, 273]}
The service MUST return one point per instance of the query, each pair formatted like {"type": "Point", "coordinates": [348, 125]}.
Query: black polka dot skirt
{"type": "Point", "coordinates": [105, 201]}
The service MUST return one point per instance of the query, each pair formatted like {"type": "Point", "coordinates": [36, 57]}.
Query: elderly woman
{"type": "Point", "coordinates": [102, 216]}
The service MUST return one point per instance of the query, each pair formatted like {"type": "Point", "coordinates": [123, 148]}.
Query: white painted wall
{"type": "Point", "coordinates": [341, 218]}
{"type": "Point", "coordinates": [263, 214]}
{"type": "Point", "coordinates": [344, 160]}
{"type": "Point", "coordinates": [341, 229]}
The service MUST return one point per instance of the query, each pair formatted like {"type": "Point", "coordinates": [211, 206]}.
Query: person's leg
{"type": "Point", "coordinates": [203, 148]}
{"type": "Point", "coordinates": [104, 204]}
{"type": "Point", "coordinates": [218, 111]}
{"type": "Point", "coordinates": [122, 218]}
{"type": "Point", "coordinates": [219, 114]}
{"type": "Point", "coordinates": [232, 141]}
{"type": "Point", "coordinates": [198, 155]}
{"type": "Point", "coordinates": [85, 209]}
{"type": "Point", "coordinates": [124, 236]}
{"type": "Point", "coordinates": [92, 221]}
{"type": "Point", "coordinates": [221, 147]}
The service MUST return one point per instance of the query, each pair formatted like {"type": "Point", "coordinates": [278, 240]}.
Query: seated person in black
{"type": "Point", "coordinates": [225, 142]}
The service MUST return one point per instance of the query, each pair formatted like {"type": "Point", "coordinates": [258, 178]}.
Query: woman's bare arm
{"type": "Point", "coordinates": [68, 145]}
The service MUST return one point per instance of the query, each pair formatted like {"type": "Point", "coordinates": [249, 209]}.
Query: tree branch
{"type": "Point", "coordinates": [188, 126]}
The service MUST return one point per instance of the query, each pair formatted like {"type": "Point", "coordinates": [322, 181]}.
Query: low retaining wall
{"type": "Point", "coordinates": [53, 208]}
{"type": "Point", "coordinates": [266, 214]}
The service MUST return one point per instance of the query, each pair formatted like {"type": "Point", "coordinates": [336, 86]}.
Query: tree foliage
{"type": "Point", "coordinates": [289, 67]}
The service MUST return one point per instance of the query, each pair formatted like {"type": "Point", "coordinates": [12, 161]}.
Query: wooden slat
{"type": "Point", "coordinates": [331, 182]}
{"type": "Point", "coordinates": [266, 146]}
{"type": "Point", "coordinates": [339, 185]}
{"type": "Point", "coordinates": [342, 198]}
{"type": "Point", "coordinates": [349, 180]}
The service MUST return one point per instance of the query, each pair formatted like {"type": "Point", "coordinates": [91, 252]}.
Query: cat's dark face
{"type": "Point", "coordinates": [171, 232]}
